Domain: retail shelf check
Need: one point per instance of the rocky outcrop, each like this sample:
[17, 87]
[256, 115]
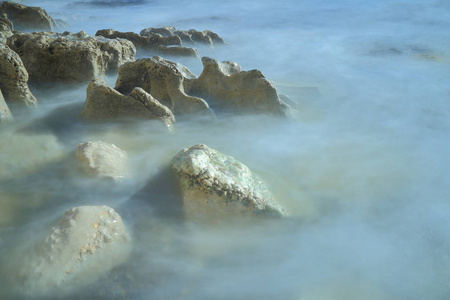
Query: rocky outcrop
[66, 57]
[162, 79]
[154, 44]
[191, 36]
[223, 86]
[103, 103]
[214, 184]
[27, 18]
[5, 113]
[87, 242]
[6, 28]
[102, 159]
[14, 79]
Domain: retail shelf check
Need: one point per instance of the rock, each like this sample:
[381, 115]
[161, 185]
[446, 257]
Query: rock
[162, 79]
[6, 28]
[66, 57]
[155, 44]
[191, 36]
[86, 243]
[5, 113]
[27, 18]
[14, 78]
[214, 184]
[103, 103]
[223, 86]
[103, 160]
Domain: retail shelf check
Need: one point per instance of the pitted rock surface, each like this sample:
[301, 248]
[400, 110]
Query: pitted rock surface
[14, 78]
[66, 57]
[103, 160]
[217, 184]
[103, 103]
[27, 18]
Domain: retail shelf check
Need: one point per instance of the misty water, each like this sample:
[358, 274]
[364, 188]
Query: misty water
[362, 168]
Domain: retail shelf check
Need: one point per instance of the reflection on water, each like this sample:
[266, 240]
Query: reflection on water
[361, 170]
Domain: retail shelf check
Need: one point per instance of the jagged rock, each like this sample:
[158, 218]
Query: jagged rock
[156, 44]
[66, 57]
[5, 113]
[102, 159]
[86, 243]
[214, 184]
[14, 78]
[191, 36]
[103, 102]
[162, 79]
[27, 17]
[223, 86]
[6, 28]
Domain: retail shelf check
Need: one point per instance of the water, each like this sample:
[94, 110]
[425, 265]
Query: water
[362, 170]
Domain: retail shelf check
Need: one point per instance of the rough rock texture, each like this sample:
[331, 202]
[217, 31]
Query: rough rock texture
[163, 79]
[191, 36]
[50, 57]
[6, 28]
[102, 159]
[215, 184]
[14, 78]
[103, 102]
[223, 86]
[5, 113]
[27, 17]
[155, 44]
[87, 242]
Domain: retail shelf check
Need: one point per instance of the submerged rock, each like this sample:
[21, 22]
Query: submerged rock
[86, 243]
[66, 57]
[14, 78]
[223, 86]
[214, 184]
[103, 102]
[27, 17]
[5, 113]
[191, 36]
[102, 159]
[163, 79]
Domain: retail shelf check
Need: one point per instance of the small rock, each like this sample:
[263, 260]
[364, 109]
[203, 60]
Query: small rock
[5, 113]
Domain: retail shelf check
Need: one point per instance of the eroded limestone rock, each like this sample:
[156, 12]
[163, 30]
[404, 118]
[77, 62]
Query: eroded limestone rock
[87, 242]
[5, 113]
[162, 79]
[155, 44]
[27, 17]
[14, 78]
[103, 102]
[102, 159]
[214, 184]
[191, 36]
[66, 57]
[6, 28]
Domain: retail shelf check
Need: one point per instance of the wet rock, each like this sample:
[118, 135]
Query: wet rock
[162, 79]
[102, 159]
[103, 103]
[27, 18]
[191, 36]
[5, 113]
[14, 78]
[67, 57]
[155, 44]
[87, 242]
[214, 184]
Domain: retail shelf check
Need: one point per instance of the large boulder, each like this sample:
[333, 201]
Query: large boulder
[162, 79]
[223, 86]
[105, 103]
[14, 78]
[5, 113]
[87, 242]
[66, 57]
[215, 185]
[27, 18]
[155, 44]
[102, 159]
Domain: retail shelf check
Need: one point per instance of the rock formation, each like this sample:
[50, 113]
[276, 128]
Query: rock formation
[66, 57]
[14, 78]
[5, 113]
[103, 102]
[6, 28]
[223, 86]
[103, 160]
[87, 242]
[214, 184]
[191, 36]
[162, 79]
[27, 18]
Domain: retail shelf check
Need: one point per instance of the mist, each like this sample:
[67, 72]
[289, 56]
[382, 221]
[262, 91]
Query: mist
[362, 169]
